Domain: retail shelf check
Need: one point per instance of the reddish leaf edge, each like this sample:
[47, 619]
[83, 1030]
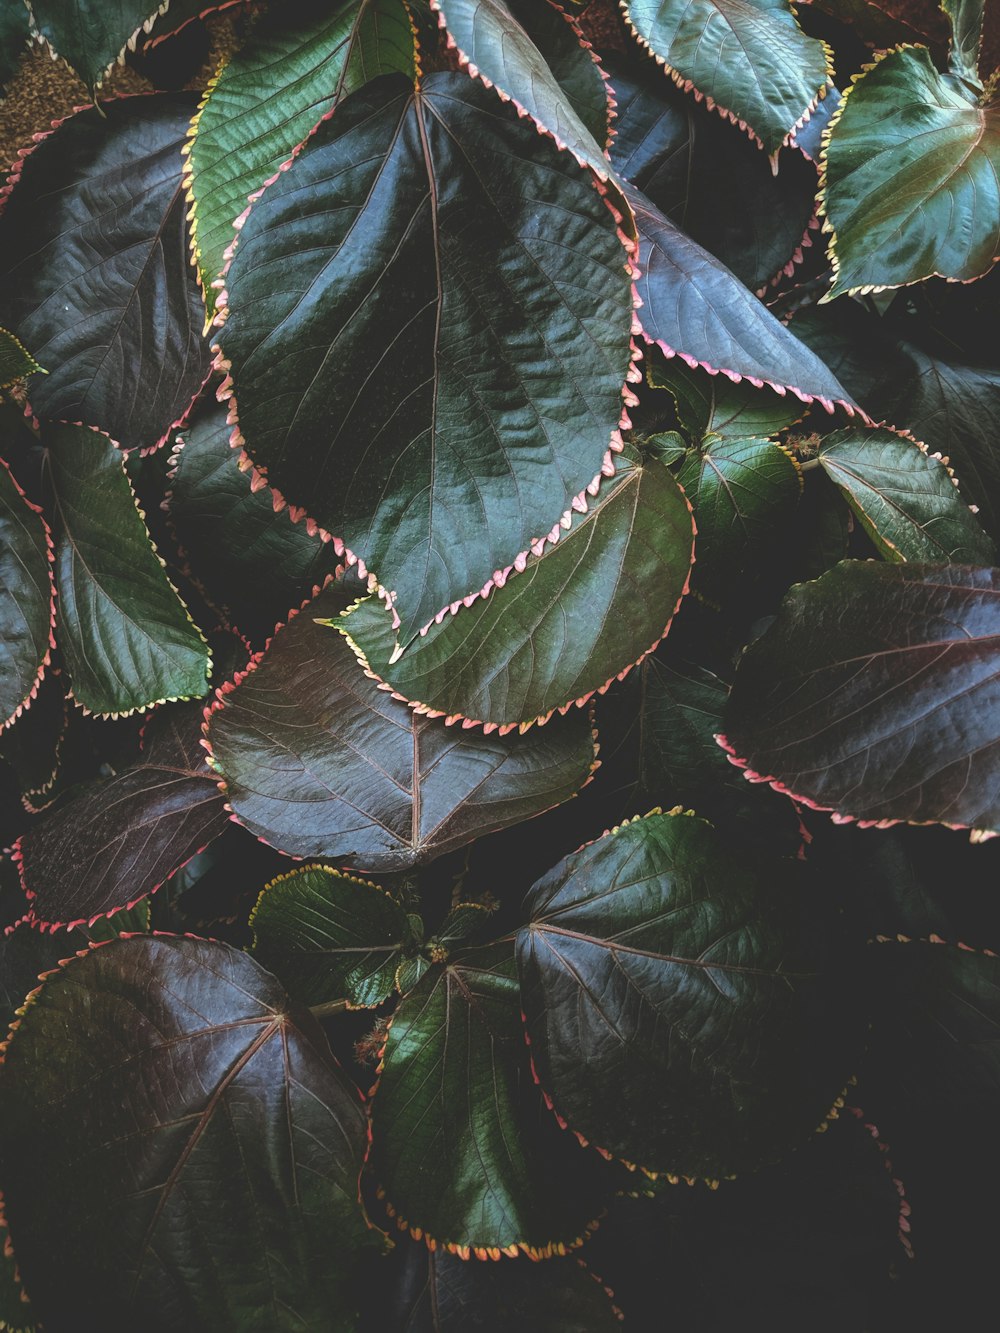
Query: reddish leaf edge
[37, 799]
[795, 259]
[903, 1225]
[8, 1250]
[46, 661]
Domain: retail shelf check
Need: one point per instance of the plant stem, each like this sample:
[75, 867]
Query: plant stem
[330, 1007]
[809, 463]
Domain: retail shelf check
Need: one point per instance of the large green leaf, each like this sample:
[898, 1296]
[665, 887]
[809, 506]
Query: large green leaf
[318, 761]
[876, 694]
[904, 497]
[681, 1012]
[461, 1144]
[126, 635]
[910, 153]
[580, 613]
[749, 59]
[330, 936]
[428, 335]
[159, 1090]
[27, 598]
[94, 270]
[16, 362]
[301, 58]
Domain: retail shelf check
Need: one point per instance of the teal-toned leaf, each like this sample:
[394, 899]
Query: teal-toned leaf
[437, 443]
[27, 598]
[713, 404]
[966, 18]
[554, 29]
[910, 152]
[301, 59]
[90, 35]
[747, 58]
[330, 936]
[905, 498]
[681, 1011]
[126, 636]
[16, 362]
[319, 762]
[579, 614]
[144, 1074]
[876, 694]
[461, 1144]
[14, 33]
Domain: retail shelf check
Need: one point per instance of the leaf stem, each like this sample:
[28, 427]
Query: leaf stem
[809, 463]
[330, 1007]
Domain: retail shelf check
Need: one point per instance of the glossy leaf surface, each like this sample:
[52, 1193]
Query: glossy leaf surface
[126, 635]
[581, 612]
[16, 362]
[300, 60]
[371, 388]
[143, 1073]
[966, 17]
[876, 694]
[714, 405]
[911, 152]
[658, 963]
[319, 761]
[27, 597]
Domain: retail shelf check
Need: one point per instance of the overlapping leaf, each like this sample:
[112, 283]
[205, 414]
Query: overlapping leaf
[748, 58]
[90, 34]
[113, 842]
[580, 613]
[33, 747]
[912, 178]
[300, 60]
[143, 1074]
[428, 334]
[876, 694]
[966, 17]
[16, 362]
[94, 270]
[27, 597]
[681, 1012]
[714, 405]
[318, 761]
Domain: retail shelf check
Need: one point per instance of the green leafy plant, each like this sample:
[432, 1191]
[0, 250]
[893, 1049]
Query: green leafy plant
[499, 499]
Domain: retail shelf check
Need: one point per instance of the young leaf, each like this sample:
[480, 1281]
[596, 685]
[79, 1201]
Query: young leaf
[874, 694]
[112, 843]
[749, 59]
[318, 761]
[681, 1014]
[330, 935]
[714, 405]
[454, 379]
[126, 635]
[966, 17]
[301, 59]
[16, 362]
[94, 270]
[580, 613]
[27, 598]
[144, 1074]
[461, 1144]
[910, 152]
[904, 497]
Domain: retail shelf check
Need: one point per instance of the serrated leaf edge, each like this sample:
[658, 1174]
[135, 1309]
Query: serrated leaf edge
[8, 1250]
[43, 666]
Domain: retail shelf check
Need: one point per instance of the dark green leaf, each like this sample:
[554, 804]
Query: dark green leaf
[27, 598]
[579, 614]
[90, 35]
[318, 761]
[966, 18]
[145, 1073]
[910, 152]
[116, 841]
[876, 694]
[94, 270]
[905, 498]
[462, 1146]
[33, 747]
[749, 59]
[126, 635]
[301, 59]
[330, 936]
[713, 404]
[554, 29]
[16, 362]
[14, 32]
[681, 1014]
[467, 288]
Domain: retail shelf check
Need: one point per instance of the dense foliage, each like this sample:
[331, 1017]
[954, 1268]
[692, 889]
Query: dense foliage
[460, 413]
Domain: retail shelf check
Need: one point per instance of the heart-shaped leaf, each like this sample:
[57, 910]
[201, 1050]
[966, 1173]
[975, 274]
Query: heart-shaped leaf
[331, 935]
[580, 613]
[904, 497]
[300, 60]
[681, 1013]
[94, 270]
[318, 761]
[379, 405]
[461, 1143]
[142, 1073]
[126, 635]
[27, 598]
[875, 695]
[749, 59]
[252, 562]
[911, 150]
[16, 362]
[714, 405]
[112, 843]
